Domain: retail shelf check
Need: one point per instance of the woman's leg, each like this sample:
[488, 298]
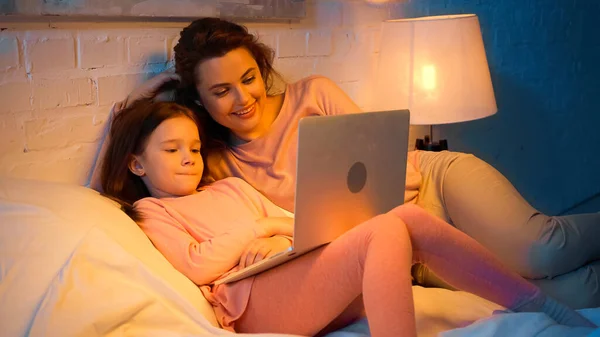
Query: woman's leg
[561, 287]
[309, 293]
[465, 264]
[481, 202]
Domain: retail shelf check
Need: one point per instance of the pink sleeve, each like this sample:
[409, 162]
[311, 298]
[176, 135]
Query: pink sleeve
[265, 206]
[202, 262]
[268, 210]
[332, 99]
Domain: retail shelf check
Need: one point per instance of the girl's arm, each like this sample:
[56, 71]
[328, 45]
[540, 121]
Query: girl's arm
[202, 262]
[277, 220]
[280, 225]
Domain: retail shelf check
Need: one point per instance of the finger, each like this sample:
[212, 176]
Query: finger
[168, 76]
[250, 257]
[243, 257]
[174, 77]
[172, 74]
[245, 253]
[118, 107]
[257, 252]
[262, 253]
[271, 253]
[159, 80]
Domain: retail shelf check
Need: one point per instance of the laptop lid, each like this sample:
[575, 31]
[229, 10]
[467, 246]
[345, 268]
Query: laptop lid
[349, 169]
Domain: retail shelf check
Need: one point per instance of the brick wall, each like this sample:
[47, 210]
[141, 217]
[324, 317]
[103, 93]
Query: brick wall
[57, 85]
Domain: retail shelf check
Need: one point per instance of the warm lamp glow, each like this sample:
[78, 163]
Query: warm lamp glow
[428, 77]
[436, 67]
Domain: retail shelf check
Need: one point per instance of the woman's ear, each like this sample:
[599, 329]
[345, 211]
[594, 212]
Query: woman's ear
[136, 167]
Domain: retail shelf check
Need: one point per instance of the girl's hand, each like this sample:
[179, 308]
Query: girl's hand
[263, 248]
[277, 226]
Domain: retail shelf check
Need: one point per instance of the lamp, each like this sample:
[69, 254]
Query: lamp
[436, 67]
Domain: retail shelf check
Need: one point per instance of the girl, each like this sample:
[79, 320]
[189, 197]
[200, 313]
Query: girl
[225, 76]
[153, 165]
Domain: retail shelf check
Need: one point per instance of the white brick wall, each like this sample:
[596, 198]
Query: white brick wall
[9, 53]
[147, 49]
[50, 54]
[319, 43]
[58, 131]
[114, 88]
[51, 93]
[93, 47]
[57, 85]
[292, 44]
[15, 97]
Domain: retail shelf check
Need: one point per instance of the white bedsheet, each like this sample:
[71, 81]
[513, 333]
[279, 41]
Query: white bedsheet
[526, 325]
[72, 264]
[502, 325]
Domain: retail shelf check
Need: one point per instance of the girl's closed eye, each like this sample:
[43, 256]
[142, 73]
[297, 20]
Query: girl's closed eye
[249, 80]
[171, 150]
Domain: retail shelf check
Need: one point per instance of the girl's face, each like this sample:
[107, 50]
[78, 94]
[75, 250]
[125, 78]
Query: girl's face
[171, 165]
[233, 92]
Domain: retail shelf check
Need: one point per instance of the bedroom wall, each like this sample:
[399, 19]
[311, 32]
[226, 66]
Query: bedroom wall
[544, 61]
[59, 80]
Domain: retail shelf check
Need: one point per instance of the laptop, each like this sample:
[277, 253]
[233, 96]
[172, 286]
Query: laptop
[350, 168]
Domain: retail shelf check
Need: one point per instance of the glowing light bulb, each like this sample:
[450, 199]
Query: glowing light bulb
[428, 77]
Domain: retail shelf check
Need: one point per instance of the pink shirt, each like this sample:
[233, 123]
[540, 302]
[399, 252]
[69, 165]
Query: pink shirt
[268, 163]
[203, 236]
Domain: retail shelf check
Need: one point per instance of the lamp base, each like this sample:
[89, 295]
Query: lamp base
[427, 145]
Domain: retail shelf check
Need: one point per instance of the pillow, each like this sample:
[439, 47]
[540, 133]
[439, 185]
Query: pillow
[72, 262]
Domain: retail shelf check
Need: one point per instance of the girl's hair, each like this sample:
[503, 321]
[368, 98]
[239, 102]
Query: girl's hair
[129, 133]
[208, 38]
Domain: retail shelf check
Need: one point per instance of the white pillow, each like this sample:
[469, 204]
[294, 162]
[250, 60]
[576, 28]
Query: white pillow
[67, 253]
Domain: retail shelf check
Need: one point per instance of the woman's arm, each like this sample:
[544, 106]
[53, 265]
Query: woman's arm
[95, 181]
[147, 90]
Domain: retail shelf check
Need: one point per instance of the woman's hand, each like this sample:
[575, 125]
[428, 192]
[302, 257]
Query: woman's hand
[148, 89]
[263, 248]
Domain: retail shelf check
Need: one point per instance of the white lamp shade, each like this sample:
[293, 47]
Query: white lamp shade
[436, 67]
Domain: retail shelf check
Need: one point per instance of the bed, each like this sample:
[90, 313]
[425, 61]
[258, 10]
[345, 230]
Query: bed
[73, 264]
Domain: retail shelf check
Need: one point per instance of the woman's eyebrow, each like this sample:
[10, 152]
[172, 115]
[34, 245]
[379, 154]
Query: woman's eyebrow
[226, 84]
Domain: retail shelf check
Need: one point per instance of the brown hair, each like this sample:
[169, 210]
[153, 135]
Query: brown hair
[208, 38]
[129, 133]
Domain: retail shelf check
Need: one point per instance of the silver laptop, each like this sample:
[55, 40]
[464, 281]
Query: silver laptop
[350, 168]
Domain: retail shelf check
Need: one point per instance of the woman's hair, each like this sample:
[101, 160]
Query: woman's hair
[129, 133]
[208, 38]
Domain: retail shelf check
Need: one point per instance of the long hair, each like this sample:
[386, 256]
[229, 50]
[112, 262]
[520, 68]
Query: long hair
[208, 38]
[129, 133]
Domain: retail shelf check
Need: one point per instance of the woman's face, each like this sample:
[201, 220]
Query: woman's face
[233, 92]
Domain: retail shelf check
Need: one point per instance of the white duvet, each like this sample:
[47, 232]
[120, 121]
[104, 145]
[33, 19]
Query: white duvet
[72, 264]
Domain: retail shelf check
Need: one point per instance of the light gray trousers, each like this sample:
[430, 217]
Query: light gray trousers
[560, 254]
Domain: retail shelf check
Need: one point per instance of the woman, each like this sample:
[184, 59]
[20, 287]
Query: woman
[225, 76]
